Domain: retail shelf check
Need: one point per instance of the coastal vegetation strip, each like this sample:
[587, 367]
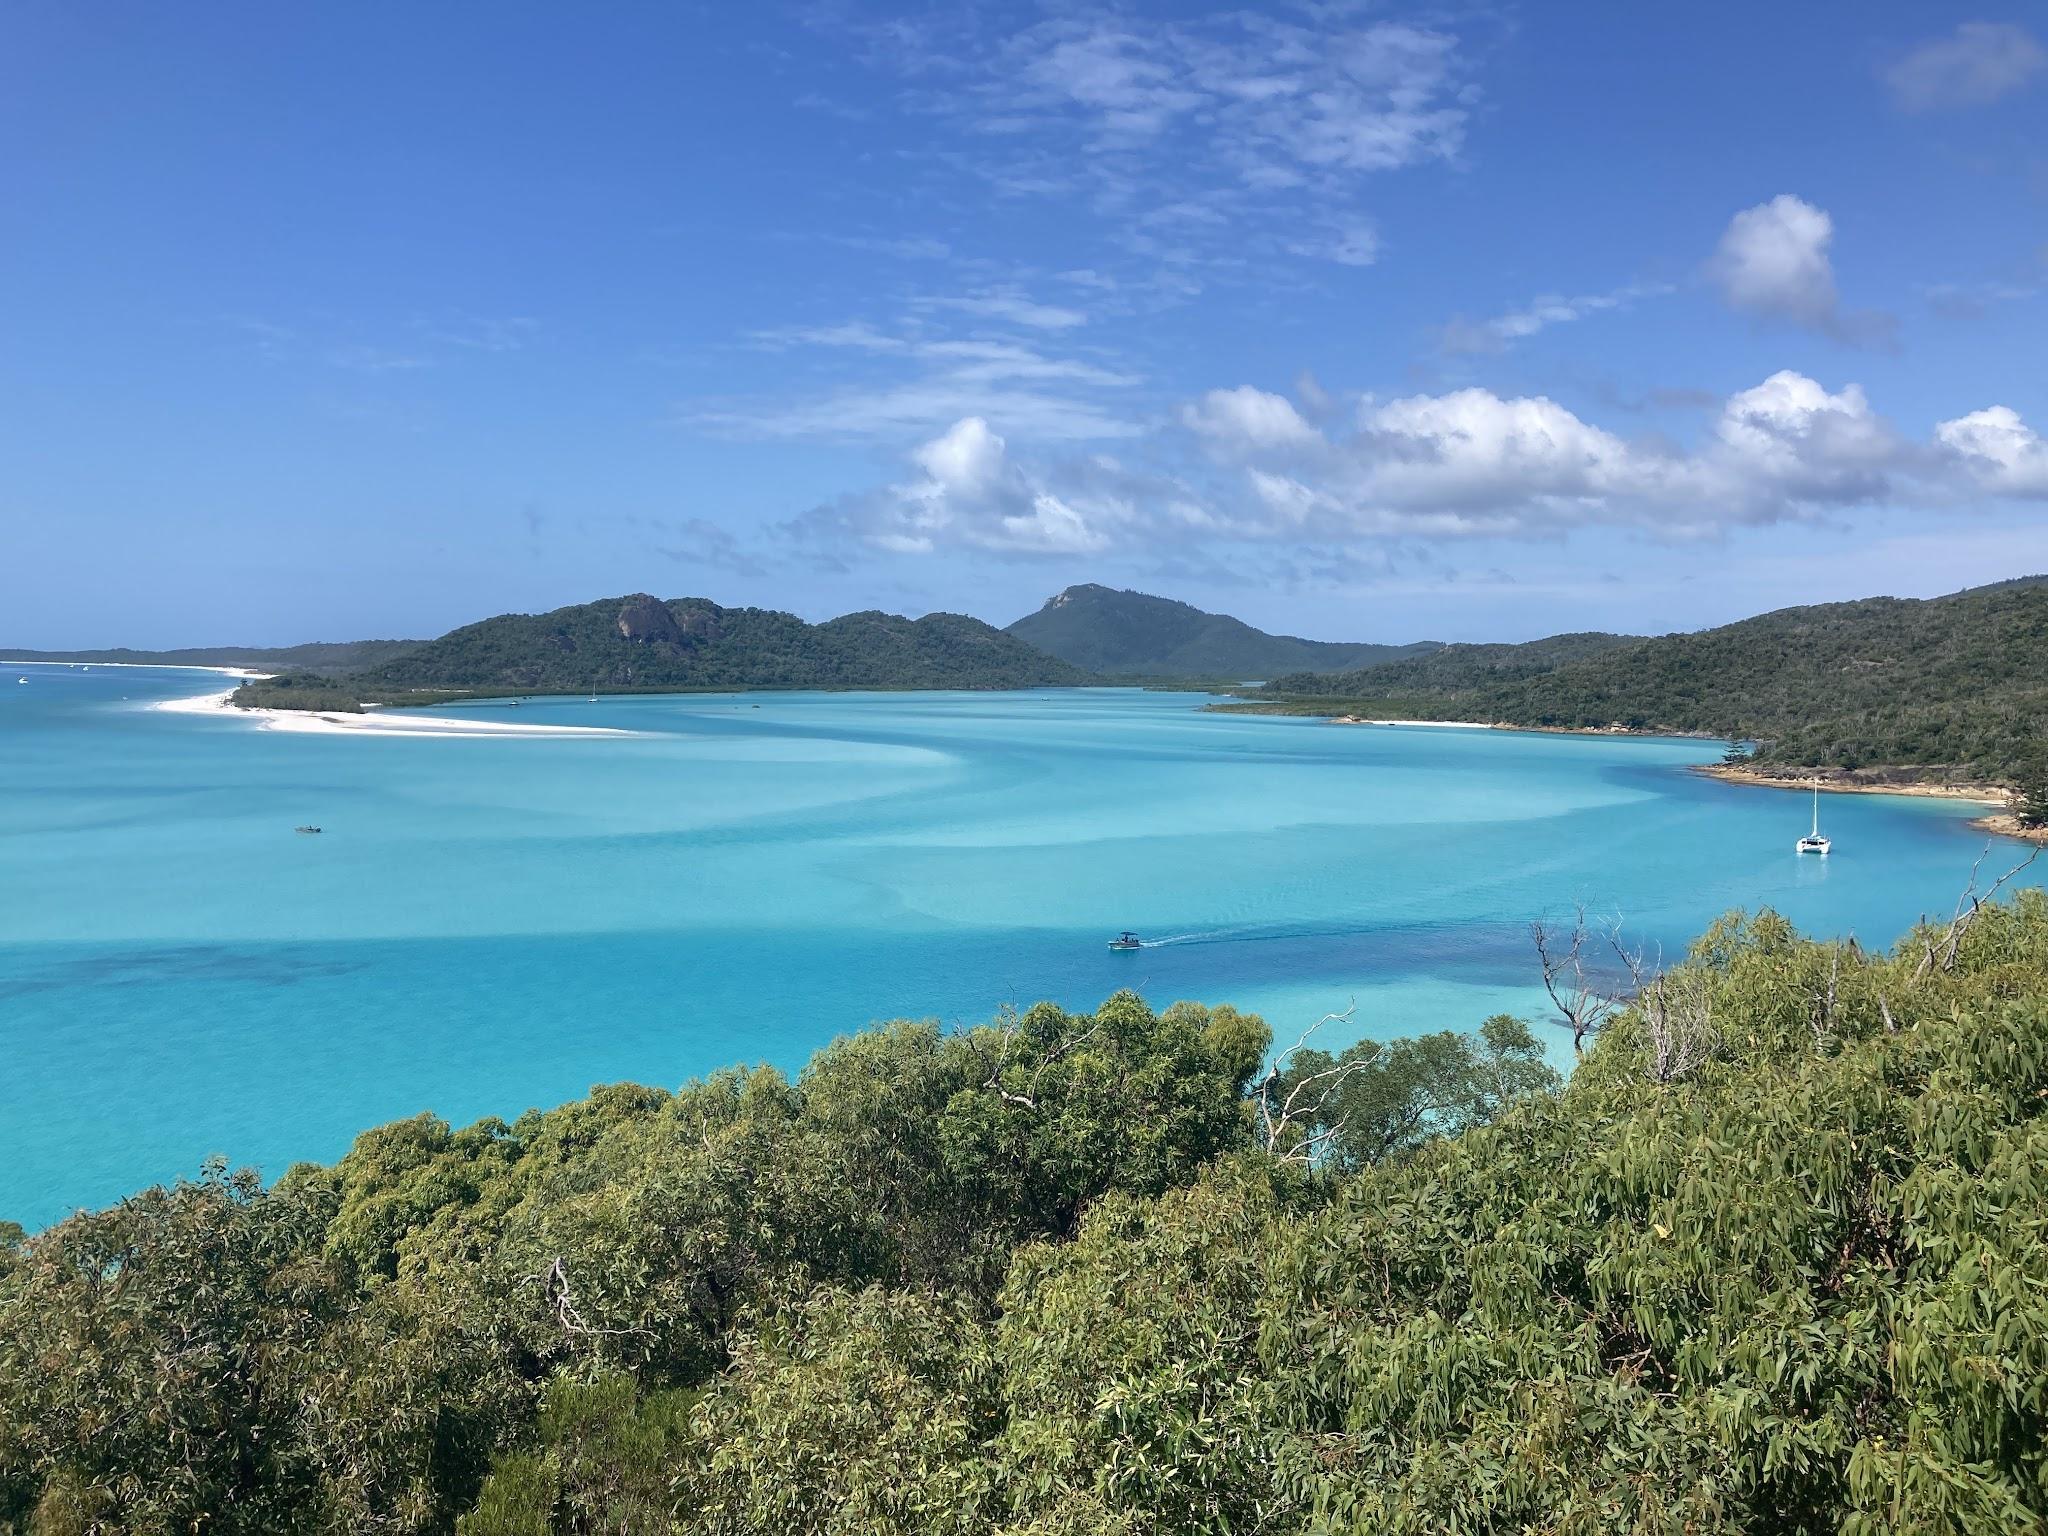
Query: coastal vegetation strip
[1769, 1261]
[1949, 690]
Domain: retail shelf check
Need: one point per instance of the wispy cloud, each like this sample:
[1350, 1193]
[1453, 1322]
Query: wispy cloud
[1969, 301]
[903, 248]
[409, 346]
[1977, 63]
[998, 353]
[1504, 330]
[1011, 305]
[361, 359]
[1206, 139]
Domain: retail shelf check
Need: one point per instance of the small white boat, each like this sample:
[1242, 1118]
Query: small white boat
[1813, 842]
[21, 679]
[1124, 940]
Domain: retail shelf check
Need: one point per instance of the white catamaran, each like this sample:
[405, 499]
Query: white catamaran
[1813, 842]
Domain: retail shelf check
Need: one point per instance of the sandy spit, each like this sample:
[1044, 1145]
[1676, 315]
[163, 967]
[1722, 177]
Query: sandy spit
[372, 722]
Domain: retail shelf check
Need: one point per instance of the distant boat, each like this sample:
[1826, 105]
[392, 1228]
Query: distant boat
[1127, 940]
[305, 829]
[1813, 842]
[21, 679]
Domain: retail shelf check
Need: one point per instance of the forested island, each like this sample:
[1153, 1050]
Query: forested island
[1771, 1261]
[640, 643]
[1884, 691]
[1124, 634]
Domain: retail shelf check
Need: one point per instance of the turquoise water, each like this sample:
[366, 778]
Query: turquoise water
[491, 924]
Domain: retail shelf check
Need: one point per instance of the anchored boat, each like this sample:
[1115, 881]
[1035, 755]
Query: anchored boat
[1813, 842]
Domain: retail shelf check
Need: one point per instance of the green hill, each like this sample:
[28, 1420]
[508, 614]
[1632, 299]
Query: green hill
[1452, 668]
[1772, 1261]
[1131, 634]
[320, 658]
[642, 642]
[1948, 686]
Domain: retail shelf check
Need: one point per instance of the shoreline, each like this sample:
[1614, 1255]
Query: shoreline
[1609, 731]
[141, 666]
[1734, 773]
[373, 721]
[1997, 819]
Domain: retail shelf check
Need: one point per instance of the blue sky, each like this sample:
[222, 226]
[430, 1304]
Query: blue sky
[1359, 321]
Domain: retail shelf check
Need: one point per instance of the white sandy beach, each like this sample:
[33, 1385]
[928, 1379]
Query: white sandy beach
[1447, 725]
[140, 666]
[372, 722]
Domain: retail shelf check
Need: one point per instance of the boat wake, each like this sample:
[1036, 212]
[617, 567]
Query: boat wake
[1212, 936]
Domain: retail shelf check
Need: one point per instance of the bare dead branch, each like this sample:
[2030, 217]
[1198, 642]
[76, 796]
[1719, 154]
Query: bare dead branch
[1940, 953]
[1286, 1129]
[554, 1284]
[1678, 1025]
[1581, 1004]
[1822, 1018]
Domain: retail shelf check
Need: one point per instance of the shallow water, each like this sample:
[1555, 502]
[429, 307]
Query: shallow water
[491, 924]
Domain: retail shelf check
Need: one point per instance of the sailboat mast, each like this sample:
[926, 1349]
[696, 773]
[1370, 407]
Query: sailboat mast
[1816, 810]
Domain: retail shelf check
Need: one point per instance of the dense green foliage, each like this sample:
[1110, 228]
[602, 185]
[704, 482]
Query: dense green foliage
[322, 658]
[1386, 1098]
[643, 642]
[297, 690]
[1774, 1260]
[1131, 634]
[1950, 685]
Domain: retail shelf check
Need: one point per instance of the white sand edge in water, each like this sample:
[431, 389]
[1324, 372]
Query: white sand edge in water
[372, 722]
[141, 666]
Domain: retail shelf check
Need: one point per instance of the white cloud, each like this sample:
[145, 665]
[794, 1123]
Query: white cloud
[1246, 417]
[1436, 468]
[1788, 444]
[970, 492]
[1471, 448]
[1999, 450]
[1773, 260]
[1977, 63]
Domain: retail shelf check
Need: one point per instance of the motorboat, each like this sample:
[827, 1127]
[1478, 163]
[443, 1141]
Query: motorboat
[1813, 842]
[1127, 940]
[305, 829]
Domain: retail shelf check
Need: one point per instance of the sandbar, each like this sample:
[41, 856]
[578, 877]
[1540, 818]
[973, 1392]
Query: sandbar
[373, 721]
